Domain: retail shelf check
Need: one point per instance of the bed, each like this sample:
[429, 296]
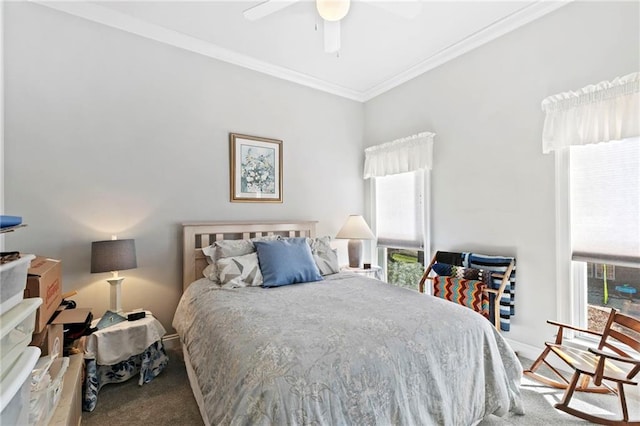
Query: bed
[344, 350]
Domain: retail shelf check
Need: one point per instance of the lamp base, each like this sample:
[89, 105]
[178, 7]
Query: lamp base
[354, 248]
[114, 299]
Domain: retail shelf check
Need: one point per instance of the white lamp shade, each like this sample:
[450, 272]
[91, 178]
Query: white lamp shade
[356, 228]
[333, 10]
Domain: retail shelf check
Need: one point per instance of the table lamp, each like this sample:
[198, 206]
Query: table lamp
[356, 230]
[113, 256]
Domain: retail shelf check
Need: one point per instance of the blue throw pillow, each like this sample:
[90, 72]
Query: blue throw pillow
[286, 261]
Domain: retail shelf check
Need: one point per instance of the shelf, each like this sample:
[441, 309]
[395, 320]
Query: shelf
[11, 228]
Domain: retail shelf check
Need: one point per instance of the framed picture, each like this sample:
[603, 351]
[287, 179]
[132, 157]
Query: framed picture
[256, 169]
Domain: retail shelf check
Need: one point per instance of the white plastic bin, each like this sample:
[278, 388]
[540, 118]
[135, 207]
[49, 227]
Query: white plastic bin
[15, 389]
[46, 390]
[13, 280]
[16, 330]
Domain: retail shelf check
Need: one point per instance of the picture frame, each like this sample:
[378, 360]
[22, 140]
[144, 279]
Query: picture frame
[255, 169]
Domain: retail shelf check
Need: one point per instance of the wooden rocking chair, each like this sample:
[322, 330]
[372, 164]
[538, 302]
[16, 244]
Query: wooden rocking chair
[608, 363]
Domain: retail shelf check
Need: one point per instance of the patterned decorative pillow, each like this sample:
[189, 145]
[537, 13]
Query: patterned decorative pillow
[239, 271]
[211, 271]
[325, 257]
[228, 248]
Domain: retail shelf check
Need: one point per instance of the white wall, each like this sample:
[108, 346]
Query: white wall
[2, 120]
[492, 188]
[107, 132]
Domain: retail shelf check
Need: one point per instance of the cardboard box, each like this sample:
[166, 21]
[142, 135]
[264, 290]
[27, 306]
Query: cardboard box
[50, 340]
[72, 316]
[69, 410]
[44, 280]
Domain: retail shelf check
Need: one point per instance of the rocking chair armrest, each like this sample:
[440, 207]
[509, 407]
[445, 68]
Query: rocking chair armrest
[614, 357]
[572, 327]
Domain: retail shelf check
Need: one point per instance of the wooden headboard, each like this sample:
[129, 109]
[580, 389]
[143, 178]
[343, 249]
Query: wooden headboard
[201, 234]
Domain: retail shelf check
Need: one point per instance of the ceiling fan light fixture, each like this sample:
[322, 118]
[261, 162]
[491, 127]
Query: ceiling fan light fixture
[333, 10]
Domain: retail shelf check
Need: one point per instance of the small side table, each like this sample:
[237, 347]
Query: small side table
[121, 351]
[373, 272]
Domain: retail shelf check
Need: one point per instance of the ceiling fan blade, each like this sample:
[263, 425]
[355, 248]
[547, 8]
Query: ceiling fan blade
[408, 9]
[331, 36]
[266, 8]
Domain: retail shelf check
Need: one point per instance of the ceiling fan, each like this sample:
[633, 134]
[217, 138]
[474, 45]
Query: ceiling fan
[332, 12]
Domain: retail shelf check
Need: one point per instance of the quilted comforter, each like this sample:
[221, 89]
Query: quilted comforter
[348, 350]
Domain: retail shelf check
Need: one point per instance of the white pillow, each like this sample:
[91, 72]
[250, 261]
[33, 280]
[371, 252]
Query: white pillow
[325, 257]
[240, 271]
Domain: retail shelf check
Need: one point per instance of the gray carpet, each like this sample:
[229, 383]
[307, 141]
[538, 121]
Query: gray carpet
[168, 400]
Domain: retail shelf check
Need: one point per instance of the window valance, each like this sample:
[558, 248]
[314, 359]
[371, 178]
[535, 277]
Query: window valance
[597, 113]
[399, 156]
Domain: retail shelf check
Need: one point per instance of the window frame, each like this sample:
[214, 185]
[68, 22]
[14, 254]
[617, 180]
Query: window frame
[379, 253]
[571, 275]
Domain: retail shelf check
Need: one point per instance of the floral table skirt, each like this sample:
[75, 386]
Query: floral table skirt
[148, 364]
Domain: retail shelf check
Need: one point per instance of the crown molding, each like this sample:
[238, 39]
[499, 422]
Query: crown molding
[124, 22]
[109, 17]
[485, 35]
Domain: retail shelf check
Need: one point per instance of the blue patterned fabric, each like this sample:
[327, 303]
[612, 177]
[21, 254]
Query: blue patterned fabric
[497, 264]
[148, 365]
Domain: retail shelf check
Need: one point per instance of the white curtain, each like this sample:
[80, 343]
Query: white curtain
[399, 156]
[597, 113]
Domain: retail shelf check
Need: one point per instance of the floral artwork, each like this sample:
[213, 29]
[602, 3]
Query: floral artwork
[256, 169]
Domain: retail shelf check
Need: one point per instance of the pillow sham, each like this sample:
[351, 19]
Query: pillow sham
[325, 257]
[211, 271]
[229, 248]
[239, 271]
[286, 261]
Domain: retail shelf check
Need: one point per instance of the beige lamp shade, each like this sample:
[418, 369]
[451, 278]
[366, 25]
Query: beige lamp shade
[356, 230]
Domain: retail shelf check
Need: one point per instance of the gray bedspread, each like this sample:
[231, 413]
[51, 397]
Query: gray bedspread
[345, 351]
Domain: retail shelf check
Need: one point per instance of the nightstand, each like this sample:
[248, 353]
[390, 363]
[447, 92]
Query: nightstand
[121, 351]
[373, 272]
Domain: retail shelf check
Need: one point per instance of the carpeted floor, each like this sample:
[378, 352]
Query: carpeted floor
[168, 400]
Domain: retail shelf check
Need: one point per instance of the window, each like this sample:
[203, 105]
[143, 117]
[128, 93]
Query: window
[399, 212]
[604, 205]
[400, 182]
[595, 135]
[404, 267]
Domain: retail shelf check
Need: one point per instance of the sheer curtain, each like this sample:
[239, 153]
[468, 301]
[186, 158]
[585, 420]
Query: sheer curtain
[399, 156]
[602, 112]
